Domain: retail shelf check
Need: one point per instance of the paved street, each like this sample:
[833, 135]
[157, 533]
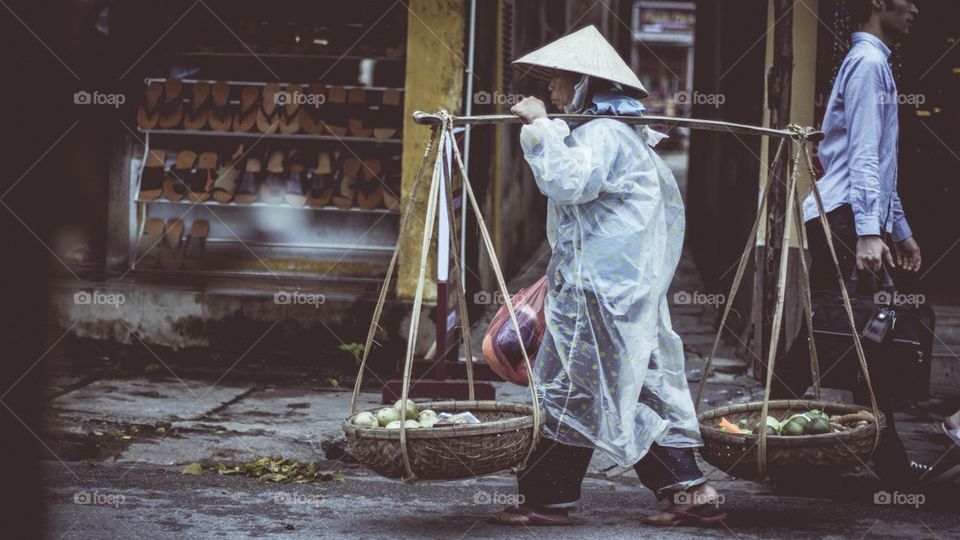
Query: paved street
[120, 439]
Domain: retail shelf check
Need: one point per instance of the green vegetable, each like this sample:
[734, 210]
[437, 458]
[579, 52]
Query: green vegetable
[793, 428]
[818, 426]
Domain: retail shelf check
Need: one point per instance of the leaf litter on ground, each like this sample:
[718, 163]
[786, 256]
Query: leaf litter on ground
[278, 469]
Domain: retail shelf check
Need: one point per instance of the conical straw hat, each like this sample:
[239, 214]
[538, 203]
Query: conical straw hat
[584, 51]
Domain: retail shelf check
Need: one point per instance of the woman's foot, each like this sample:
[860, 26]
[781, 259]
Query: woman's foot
[527, 515]
[699, 505]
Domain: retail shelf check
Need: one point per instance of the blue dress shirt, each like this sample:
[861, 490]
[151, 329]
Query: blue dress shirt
[859, 151]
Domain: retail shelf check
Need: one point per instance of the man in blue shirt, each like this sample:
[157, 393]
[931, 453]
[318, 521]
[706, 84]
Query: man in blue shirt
[859, 190]
[859, 152]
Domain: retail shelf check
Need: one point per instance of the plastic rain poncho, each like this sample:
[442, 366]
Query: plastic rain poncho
[610, 372]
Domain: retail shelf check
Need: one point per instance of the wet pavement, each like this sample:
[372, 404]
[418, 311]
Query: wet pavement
[119, 439]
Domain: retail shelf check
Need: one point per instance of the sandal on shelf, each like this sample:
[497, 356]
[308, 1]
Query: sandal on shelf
[246, 117]
[174, 185]
[344, 191]
[289, 112]
[273, 188]
[220, 118]
[698, 514]
[151, 244]
[322, 179]
[524, 516]
[360, 113]
[370, 190]
[171, 257]
[390, 115]
[336, 116]
[198, 113]
[247, 192]
[148, 115]
[151, 179]
[201, 178]
[227, 178]
[196, 246]
[391, 185]
[296, 188]
[171, 106]
[311, 118]
[268, 115]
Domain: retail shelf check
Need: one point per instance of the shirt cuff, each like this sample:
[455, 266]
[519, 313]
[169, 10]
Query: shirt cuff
[901, 230]
[867, 224]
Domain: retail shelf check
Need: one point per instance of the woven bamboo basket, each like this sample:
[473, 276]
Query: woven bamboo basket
[498, 444]
[830, 453]
[507, 433]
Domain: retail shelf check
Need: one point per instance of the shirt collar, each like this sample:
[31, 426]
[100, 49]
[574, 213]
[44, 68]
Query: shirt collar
[871, 39]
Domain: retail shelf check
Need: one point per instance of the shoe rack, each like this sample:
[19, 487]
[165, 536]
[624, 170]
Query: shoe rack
[292, 193]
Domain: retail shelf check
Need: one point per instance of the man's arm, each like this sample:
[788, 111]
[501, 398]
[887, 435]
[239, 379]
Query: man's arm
[863, 95]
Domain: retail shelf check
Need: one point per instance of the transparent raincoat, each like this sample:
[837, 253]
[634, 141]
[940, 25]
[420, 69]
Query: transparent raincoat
[610, 372]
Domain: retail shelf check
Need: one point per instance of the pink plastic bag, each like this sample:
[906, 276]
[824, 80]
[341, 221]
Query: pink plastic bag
[501, 345]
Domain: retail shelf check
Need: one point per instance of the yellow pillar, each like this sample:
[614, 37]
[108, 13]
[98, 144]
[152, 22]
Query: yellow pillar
[434, 80]
[803, 87]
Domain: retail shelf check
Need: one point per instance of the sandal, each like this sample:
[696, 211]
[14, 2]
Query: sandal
[370, 192]
[174, 185]
[149, 113]
[220, 118]
[246, 117]
[296, 181]
[198, 113]
[249, 182]
[193, 251]
[289, 112]
[357, 97]
[227, 178]
[171, 256]
[151, 244]
[171, 107]
[322, 179]
[200, 181]
[268, 115]
[336, 122]
[344, 192]
[311, 120]
[699, 514]
[273, 189]
[151, 180]
[516, 515]
[390, 116]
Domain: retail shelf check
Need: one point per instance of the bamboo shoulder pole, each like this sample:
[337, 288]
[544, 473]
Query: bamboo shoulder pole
[809, 134]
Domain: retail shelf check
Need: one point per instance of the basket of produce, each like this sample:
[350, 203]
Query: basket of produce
[790, 438]
[801, 437]
[446, 440]
[441, 440]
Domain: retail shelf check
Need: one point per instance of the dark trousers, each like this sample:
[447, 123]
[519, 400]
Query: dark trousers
[555, 472]
[792, 374]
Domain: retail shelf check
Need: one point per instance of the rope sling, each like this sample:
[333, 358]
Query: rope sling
[442, 124]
